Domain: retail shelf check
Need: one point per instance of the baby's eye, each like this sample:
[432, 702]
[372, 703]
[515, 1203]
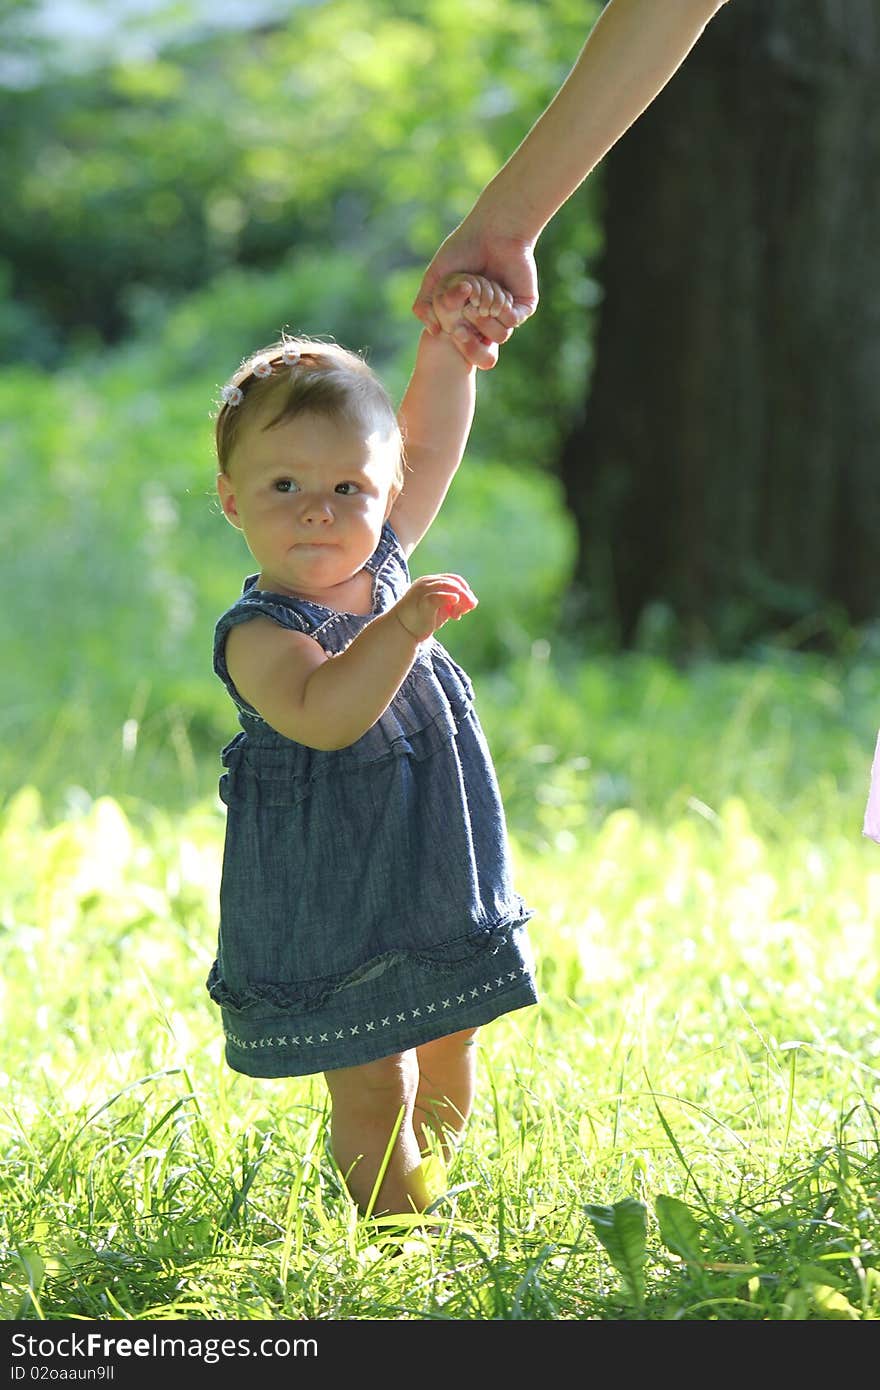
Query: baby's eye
[347, 489]
[283, 485]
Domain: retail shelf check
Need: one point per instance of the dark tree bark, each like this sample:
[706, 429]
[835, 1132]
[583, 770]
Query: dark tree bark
[727, 465]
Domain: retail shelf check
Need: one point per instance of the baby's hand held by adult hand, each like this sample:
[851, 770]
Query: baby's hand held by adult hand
[471, 310]
[431, 601]
[474, 297]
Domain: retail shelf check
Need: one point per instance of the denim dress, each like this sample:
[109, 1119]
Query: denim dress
[366, 902]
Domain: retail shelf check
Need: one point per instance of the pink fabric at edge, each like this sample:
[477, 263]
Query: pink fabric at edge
[871, 826]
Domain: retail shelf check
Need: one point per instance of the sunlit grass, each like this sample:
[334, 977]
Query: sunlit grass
[705, 929]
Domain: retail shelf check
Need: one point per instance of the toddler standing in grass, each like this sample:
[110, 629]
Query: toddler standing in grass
[369, 924]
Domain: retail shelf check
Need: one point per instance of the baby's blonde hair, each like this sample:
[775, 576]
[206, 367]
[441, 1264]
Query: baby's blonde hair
[305, 376]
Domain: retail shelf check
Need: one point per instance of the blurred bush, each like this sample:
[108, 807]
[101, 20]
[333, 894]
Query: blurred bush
[364, 127]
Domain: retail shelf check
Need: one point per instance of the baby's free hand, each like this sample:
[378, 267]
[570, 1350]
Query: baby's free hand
[467, 308]
[431, 600]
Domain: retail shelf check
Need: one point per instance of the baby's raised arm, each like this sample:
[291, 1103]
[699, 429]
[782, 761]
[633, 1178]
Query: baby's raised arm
[437, 409]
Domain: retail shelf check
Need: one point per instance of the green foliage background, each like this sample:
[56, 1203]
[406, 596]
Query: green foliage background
[364, 127]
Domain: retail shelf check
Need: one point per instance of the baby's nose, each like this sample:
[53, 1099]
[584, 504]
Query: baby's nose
[316, 510]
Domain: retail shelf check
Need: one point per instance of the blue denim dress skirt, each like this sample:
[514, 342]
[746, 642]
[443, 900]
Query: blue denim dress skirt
[366, 902]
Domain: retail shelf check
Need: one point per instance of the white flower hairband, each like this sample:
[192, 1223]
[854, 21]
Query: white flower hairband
[232, 395]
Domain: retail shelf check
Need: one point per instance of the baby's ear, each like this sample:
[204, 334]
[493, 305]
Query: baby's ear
[393, 495]
[226, 494]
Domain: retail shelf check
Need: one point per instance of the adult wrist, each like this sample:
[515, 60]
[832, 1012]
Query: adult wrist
[498, 217]
[502, 213]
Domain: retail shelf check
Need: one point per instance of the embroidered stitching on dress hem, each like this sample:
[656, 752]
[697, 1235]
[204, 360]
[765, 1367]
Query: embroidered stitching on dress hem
[370, 1025]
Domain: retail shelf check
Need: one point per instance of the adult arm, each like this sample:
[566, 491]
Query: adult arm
[632, 51]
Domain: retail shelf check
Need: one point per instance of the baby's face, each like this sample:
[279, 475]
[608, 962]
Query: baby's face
[310, 495]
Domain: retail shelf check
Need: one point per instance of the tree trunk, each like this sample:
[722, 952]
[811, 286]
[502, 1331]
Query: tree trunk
[726, 469]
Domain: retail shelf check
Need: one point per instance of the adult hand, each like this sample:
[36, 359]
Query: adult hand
[505, 259]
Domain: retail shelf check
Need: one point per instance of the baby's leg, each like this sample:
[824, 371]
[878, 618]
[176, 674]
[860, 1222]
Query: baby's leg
[447, 1077]
[366, 1105]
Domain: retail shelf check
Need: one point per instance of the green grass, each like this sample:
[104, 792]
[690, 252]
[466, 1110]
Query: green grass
[684, 1128]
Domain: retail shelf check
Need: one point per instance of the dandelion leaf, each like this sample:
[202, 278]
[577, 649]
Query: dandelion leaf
[678, 1229]
[621, 1228]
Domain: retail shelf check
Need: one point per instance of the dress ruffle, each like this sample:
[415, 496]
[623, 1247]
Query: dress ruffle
[314, 994]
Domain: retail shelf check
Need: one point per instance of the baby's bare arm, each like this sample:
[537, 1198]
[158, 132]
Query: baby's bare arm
[435, 418]
[328, 702]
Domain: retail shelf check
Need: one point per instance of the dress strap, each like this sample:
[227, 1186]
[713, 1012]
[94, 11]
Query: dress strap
[391, 577]
[253, 603]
